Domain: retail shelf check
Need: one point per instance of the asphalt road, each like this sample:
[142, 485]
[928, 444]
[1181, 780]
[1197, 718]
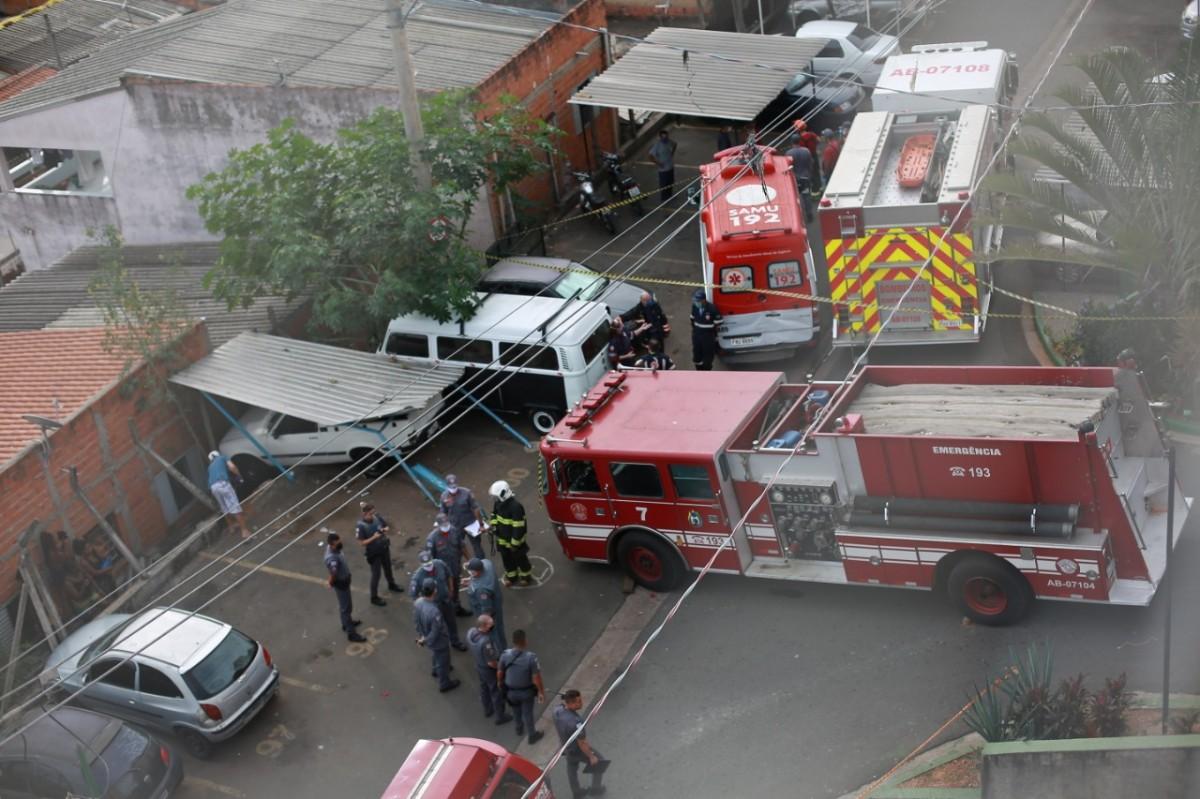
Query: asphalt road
[763, 689]
[756, 688]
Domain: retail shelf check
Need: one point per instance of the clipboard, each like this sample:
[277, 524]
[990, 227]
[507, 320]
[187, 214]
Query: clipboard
[473, 529]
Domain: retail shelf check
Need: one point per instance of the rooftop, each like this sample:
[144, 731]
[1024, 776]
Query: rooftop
[79, 27]
[15, 84]
[50, 373]
[690, 414]
[329, 43]
[58, 297]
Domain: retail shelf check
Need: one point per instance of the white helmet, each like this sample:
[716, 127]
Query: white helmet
[500, 490]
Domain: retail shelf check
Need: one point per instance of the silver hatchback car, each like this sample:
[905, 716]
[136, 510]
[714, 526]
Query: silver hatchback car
[194, 677]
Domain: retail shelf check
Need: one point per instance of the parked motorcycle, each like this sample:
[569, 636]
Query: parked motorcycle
[590, 201]
[621, 184]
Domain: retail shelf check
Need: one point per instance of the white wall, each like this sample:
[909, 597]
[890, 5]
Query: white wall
[156, 140]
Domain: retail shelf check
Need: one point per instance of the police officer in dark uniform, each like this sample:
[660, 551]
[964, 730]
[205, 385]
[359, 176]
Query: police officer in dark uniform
[482, 642]
[432, 634]
[705, 318]
[508, 525]
[483, 592]
[521, 675]
[371, 532]
[655, 359]
[446, 544]
[339, 581]
[566, 721]
[433, 569]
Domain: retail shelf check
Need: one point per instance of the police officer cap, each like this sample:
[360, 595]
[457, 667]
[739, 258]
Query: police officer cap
[441, 517]
[428, 588]
[698, 294]
[475, 565]
[425, 557]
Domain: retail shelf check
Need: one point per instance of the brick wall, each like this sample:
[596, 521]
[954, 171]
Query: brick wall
[114, 473]
[660, 8]
[543, 77]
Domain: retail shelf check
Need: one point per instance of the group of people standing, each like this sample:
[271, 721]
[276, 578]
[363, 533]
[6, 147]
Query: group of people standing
[813, 159]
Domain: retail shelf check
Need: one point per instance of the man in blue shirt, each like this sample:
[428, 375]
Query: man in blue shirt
[432, 634]
[219, 469]
[339, 581]
[566, 721]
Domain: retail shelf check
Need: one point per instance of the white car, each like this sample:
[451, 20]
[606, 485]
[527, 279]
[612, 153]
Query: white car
[290, 439]
[852, 51]
[1187, 24]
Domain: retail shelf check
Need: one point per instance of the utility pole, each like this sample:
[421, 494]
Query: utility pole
[410, 104]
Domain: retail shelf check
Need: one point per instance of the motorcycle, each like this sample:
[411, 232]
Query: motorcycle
[621, 184]
[590, 201]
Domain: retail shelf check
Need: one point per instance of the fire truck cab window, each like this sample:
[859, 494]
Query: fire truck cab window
[736, 278]
[691, 482]
[784, 275]
[577, 477]
[636, 479]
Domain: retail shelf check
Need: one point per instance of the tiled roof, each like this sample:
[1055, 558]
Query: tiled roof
[50, 373]
[15, 84]
[330, 43]
[79, 27]
[58, 297]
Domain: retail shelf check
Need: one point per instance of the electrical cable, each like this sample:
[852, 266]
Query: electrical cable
[532, 353]
[820, 419]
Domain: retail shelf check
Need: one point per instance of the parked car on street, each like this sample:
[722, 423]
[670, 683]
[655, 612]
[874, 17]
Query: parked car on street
[825, 104]
[851, 51]
[74, 752]
[882, 12]
[290, 439]
[194, 677]
[1187, 23]
[535, 275]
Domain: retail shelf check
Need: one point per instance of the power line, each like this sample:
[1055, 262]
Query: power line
[820, 419]
[656, 248]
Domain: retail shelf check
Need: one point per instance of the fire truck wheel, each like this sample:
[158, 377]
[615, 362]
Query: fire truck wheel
[652, 562]
[989, 591]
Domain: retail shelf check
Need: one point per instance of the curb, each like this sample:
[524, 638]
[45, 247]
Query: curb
[951, 750]
[597, 667]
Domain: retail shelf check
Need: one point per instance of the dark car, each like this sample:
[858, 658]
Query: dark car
[74, 752]
[824, 103]
[531, 275]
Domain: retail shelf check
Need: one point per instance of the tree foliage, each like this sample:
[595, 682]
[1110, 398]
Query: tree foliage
[345, 222]
[1129, 158]
[142, 324]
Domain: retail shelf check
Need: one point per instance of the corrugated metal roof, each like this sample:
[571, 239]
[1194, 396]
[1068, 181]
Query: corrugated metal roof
[50, 373]
[58, 297]
[80, 26]
[317, 382]
[333, 43]
[726, 75]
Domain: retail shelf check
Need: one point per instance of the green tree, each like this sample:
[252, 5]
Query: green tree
[1132, 198]
[345, 223]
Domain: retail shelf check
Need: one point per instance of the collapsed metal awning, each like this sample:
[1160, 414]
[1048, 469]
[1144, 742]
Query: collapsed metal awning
[701, 73]
[315, 382]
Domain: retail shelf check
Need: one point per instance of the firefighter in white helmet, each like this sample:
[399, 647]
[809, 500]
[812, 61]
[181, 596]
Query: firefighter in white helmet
[508, 526]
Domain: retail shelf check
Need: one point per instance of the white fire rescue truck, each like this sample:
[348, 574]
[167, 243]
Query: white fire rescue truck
[753, 238]
[903, 193]
[994, 484]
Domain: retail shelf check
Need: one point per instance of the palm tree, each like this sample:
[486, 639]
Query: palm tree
[1118, 178]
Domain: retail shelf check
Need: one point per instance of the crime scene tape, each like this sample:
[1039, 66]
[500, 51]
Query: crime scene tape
[1061, 313]
[609, 206]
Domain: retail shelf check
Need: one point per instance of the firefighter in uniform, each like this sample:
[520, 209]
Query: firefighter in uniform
[508, 525]
[705, 318]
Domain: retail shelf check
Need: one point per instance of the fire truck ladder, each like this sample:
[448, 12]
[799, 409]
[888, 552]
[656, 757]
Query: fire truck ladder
[851, 261]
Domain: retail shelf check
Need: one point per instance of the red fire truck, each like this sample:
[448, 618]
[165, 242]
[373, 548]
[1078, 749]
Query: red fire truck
[465, 768]
[753, 238]
[994, 484]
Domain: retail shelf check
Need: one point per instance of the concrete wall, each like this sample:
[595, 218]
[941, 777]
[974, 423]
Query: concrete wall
[115, 474]
[1163, 767]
